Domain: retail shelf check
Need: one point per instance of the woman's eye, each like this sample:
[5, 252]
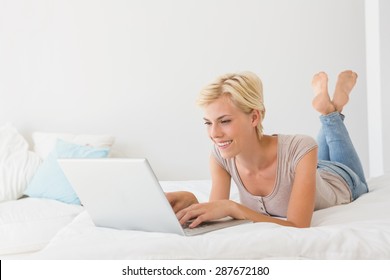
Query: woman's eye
[225, 121]
[207, 123]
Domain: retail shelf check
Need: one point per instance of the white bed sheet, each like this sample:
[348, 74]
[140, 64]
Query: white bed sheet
[360, 230]
[27, 225]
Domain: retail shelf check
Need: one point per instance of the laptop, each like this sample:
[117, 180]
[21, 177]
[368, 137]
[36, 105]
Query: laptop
[124, 193]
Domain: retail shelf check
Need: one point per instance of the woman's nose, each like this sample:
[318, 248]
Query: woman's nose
[215, 131]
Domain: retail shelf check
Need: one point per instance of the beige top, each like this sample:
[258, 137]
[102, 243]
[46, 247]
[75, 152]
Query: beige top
[331, 189]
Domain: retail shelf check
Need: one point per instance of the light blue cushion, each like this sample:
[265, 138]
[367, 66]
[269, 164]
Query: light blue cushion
[50, 181]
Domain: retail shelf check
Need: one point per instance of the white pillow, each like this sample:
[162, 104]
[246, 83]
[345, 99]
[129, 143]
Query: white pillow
[17, 164]
[45, 142]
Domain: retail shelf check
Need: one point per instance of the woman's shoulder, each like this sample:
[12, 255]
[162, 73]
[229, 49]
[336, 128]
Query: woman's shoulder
[226, 164]
[296, 143]
[293, 147]
[296, 138]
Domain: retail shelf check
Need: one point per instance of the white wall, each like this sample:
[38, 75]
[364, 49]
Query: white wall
[374, 92]
[133, 69]
[378, 84]
[384, 21]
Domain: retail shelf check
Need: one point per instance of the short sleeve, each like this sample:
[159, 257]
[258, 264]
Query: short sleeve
[299, 147]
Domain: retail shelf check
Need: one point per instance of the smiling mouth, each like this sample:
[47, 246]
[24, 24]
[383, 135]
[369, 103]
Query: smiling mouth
[224, 144]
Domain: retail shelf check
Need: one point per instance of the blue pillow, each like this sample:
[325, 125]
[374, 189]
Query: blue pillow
[50, 181]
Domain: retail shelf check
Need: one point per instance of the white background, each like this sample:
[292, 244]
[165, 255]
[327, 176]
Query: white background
[133, 69]
[278, 269]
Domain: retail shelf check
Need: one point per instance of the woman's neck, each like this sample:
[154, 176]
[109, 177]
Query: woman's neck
[260, 154]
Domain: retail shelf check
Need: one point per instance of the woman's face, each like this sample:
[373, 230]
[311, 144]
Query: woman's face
[229, 127]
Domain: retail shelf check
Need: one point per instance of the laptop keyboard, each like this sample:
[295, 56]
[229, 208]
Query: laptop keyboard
[211, 226]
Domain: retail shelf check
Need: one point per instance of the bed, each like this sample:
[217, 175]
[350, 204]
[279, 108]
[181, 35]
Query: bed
[44, 228]
[360, 230]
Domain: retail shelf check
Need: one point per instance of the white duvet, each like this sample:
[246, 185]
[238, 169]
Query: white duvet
[27, 225]
[360, 230]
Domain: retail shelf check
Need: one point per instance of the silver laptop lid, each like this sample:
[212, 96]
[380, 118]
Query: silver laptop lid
[121, 193]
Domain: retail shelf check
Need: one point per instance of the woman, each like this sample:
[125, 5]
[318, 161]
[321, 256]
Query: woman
[281, 179]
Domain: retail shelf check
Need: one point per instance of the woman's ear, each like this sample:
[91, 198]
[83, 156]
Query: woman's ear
[256, 117]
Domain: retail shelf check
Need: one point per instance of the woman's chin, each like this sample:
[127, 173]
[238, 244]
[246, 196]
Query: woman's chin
[227, 155]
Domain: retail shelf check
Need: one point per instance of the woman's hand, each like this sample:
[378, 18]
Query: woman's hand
[218, 209]
[180, 200]
[202, 212]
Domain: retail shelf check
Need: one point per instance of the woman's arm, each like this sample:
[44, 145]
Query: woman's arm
[300, 208]
[181, 200]
[302, 199]
[220, 178]
[220, 189]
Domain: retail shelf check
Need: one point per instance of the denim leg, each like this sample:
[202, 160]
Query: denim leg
[341, 149]
[323, 149]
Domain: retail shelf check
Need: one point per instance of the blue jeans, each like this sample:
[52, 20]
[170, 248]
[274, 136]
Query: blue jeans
[337, 154]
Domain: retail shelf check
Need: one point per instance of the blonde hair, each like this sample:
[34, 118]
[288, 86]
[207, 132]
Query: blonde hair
[244, 89]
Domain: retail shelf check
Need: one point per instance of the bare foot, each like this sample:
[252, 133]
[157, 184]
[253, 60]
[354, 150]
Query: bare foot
[321, 101]
[345, 83]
